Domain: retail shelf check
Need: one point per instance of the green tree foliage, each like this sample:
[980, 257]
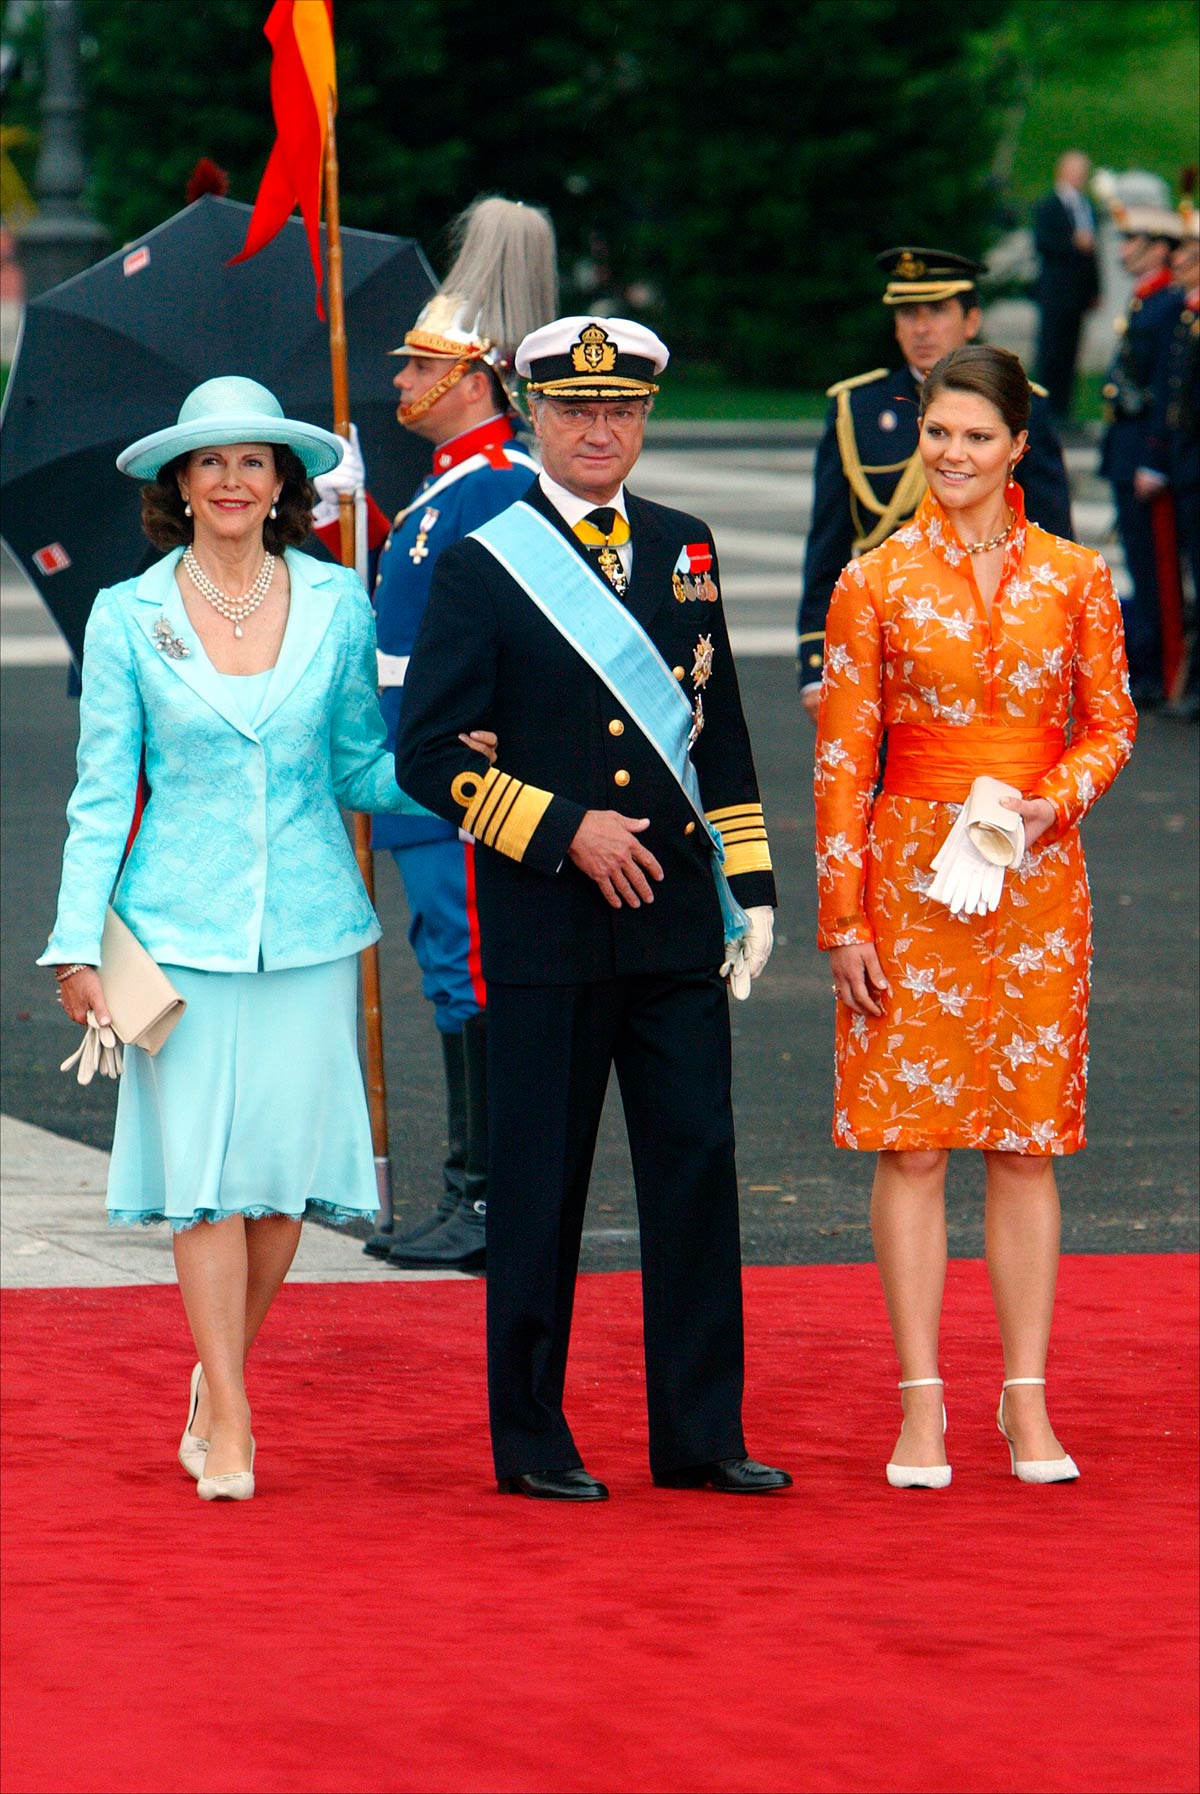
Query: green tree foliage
[726, 169]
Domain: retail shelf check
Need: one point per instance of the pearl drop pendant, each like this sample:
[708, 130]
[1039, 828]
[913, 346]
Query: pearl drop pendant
[237, 630]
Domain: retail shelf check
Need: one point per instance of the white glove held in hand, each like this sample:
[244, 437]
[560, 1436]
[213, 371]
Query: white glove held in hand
[967, 881]
[98, 1051]
[745, 959]
[349, 476]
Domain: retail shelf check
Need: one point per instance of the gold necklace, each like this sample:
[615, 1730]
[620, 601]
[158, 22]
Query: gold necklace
[992, 541]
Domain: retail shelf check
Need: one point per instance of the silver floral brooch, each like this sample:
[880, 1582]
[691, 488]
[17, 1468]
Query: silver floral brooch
[168, 643]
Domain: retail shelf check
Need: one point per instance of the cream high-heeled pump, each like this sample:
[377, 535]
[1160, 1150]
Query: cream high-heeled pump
[1033, 1470]
[231, 1485]
[192, 1448]
[921, 1476]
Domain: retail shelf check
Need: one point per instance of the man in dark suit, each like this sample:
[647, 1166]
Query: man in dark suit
[585, 626]
[1068, 285]
[868, 478]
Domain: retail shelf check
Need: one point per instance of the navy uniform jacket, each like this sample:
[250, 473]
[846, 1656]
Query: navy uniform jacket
[1173, 433]
[486, 656]
[474, 477]
[883, 410]
[1133, 375]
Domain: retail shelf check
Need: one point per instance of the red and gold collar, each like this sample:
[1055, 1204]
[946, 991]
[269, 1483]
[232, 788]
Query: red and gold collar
[1153, 283]
[485, 439]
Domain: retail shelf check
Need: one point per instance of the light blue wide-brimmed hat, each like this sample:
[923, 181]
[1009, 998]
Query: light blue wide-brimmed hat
[226, 410]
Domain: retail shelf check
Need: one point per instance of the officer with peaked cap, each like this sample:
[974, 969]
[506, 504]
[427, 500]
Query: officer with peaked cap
[868, 478]
[585, 626]
[458, 391]
[1149, 234]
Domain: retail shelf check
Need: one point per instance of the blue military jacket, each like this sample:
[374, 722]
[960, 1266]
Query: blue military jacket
[1134, 373]
[242, 861]
[879, 431]
[474, 478]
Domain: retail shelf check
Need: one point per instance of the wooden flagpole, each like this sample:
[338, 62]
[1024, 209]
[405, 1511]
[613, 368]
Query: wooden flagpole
[369, 958]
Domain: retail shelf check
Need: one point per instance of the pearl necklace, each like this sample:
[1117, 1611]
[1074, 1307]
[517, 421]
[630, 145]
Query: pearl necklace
[236, 609]
[992, 541]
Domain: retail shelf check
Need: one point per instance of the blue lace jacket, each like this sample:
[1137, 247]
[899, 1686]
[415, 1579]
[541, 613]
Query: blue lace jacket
[242, 860]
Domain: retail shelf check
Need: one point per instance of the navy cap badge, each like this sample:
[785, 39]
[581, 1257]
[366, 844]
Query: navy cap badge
[910, 267]
[595, 352]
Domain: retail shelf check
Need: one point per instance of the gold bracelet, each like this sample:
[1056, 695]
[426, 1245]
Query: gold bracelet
[65, 972]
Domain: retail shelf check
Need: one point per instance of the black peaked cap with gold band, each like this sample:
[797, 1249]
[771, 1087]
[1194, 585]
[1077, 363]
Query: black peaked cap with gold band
[592, 358]
[926, 276]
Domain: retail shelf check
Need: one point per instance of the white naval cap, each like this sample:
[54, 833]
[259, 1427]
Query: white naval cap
[592, 358]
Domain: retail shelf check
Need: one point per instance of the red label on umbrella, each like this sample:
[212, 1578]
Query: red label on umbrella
[136, 260]
[52, 559]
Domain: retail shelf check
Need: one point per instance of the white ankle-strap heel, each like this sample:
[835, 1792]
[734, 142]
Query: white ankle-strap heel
[921, 1476]
[1033, 1470]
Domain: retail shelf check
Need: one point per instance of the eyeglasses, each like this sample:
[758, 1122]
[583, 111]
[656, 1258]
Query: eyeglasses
[578, 418]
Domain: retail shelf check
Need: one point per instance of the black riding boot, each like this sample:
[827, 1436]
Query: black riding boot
[454, 1170]
[458, 1243]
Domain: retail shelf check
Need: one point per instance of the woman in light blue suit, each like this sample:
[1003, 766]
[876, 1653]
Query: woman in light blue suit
[241, 674]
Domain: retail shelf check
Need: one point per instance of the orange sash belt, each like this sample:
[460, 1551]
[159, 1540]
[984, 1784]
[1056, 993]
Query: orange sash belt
[939, 762]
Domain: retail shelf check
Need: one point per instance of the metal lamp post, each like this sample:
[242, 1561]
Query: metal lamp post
[62, 239]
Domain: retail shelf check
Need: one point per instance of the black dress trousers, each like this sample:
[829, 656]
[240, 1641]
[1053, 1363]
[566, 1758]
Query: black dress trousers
[550, 1051]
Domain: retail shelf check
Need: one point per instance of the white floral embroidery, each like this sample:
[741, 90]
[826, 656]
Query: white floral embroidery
[953, 1001]
[1027, 958]
[1019, 1051]
[915, 1076]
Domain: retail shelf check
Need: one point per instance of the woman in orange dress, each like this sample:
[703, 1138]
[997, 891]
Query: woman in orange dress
[981, 644]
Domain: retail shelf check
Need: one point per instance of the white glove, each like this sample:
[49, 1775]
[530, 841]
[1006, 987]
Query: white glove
[964, 881]
[350, 475]
[998, 833]
[745, 958]
[98, 1051]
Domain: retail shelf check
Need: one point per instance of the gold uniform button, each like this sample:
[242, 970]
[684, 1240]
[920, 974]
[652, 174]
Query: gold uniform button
[678, 672]
[689, 828]
[621, 777]
[616, 727]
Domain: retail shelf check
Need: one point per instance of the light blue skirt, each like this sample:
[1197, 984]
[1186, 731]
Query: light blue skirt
[254, 1106]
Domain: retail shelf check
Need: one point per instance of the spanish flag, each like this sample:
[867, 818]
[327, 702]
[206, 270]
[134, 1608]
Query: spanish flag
[303, 76]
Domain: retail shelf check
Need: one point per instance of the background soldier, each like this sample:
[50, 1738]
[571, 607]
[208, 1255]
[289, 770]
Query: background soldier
[1148, 236]
[868, 478]
[1172, 464]
[456, 387]
[585, 626]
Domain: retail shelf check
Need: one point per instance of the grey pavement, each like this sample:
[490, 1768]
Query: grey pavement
[53, 1232]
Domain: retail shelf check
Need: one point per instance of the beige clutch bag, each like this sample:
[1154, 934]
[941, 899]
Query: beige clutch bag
[142, 1001]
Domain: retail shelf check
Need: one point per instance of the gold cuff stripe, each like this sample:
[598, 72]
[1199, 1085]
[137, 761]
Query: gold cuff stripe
[501, 811]
[735, 813]
[754, 856]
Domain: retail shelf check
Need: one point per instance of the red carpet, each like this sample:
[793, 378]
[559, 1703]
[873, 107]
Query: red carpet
[379, 1619]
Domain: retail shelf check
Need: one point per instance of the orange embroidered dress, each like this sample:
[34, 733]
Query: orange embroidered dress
[984, 1037]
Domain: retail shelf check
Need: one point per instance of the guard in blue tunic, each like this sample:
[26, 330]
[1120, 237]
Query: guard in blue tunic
[1148, 236]
[868, 478]
[457, 390]
[623, 865]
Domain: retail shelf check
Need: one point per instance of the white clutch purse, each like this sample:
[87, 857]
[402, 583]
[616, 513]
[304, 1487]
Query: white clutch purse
[142, 1001]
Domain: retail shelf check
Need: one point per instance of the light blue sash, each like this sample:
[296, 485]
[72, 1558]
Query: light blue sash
[588, 614]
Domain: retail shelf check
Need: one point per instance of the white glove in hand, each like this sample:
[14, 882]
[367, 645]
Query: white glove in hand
[98, 1051]
[349, 476]
[745, 958]
[964, 881]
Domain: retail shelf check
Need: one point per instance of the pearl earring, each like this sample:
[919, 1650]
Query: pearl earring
[274, 511]
[187, 509]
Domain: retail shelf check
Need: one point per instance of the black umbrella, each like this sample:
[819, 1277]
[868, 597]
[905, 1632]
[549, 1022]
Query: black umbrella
[110, 355]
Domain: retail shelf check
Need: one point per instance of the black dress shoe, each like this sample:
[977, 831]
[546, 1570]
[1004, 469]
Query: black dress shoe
[459, 1244]
[381, 1244]
[555, 1485]
[729, 1476]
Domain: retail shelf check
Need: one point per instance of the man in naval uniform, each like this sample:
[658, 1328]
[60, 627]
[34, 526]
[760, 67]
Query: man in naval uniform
[868, 478]
[457, 390]
[1149, 234]
[585, 626]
